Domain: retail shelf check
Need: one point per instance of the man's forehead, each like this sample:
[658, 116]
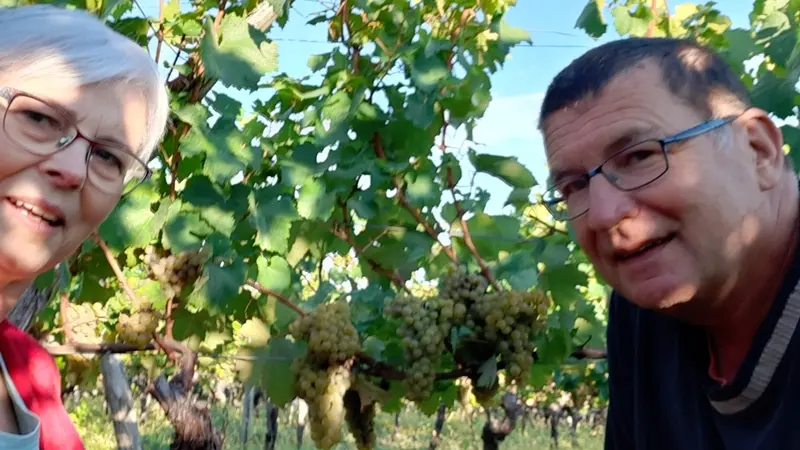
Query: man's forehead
[641, 84]
[578, 140]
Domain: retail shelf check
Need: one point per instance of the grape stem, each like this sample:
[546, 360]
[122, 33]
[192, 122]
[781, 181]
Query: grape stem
[169, 320]
[83, 347]
[114, 266]
[257, 286]
[344, 233]
[377, 145]
[64, 304]
[466, 15]
[78, 348]
[387, 372]
[460, 212]
[551, 229]
[188, 359]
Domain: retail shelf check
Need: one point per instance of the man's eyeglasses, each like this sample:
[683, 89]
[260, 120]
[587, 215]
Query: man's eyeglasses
[43, 129]
[631, 168]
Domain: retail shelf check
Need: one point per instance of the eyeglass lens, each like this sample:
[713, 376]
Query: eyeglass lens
[630, 169]
[43, 130]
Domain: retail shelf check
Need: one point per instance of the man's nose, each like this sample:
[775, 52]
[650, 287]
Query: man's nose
[608, 205]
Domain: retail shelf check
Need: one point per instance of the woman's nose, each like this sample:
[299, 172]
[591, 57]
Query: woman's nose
[66, 169]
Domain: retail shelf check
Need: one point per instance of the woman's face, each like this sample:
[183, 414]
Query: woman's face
[32, 185]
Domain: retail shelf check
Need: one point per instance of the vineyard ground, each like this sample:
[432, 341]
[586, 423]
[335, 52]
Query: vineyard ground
[414, 433]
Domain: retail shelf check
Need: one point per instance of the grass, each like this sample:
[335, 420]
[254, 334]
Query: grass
[414, 433]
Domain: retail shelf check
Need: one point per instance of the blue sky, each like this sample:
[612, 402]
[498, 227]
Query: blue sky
[509, 126]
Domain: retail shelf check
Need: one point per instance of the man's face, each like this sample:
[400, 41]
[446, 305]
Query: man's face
[702, 208]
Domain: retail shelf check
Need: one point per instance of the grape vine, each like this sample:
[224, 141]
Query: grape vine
[325, 230]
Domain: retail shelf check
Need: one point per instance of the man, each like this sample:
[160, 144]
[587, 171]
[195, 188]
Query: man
[680, 194]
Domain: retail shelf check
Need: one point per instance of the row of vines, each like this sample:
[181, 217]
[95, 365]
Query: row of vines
[324, 238]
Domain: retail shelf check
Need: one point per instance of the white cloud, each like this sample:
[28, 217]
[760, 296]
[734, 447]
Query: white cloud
[510, 118]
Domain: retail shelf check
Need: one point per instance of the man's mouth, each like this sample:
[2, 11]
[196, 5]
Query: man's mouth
[37, 212]
[649, 245]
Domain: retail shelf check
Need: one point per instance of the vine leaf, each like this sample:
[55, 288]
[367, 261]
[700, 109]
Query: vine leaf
[428, 72]
[184, 229]
[200, 191]
[272, 369]
[373, 347]
[218, 285]
[274, 273]
[510, 35]
[488, 373]
[540, 375]
[317, 62]
[315, 202]
[493, 234]
[791, 137]
[519, 198]
[235, 57]
[153, 292]
[255, 332]
[132, 223]
[447, 396]
[506, 168]
[519, 270]
[272, 218]
[775, 94]
[420, 110]
[591, 19]
[171, 9]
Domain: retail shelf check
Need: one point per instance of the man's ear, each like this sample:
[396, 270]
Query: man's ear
[765, 140]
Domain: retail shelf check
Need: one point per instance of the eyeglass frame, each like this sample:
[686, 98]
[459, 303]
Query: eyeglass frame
[9, 94]
[694, 131]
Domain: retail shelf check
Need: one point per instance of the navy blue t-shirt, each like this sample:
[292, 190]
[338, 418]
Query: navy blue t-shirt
[662, 396]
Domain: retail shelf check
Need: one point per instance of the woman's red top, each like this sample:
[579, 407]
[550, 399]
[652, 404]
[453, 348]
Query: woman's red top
[38, 381]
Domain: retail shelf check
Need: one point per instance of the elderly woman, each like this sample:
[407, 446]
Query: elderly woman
[82, 110]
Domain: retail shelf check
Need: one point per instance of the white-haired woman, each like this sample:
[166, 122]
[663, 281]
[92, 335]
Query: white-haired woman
[82, 109]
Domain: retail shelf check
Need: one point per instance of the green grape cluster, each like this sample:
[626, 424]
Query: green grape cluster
[137, 328]
[82, 371]
[499, 323]
[330, 334]
[360, 420]
[425, 326]
[323, 389]
[507, 321]
[510, 320]
[462, 287]
[81, 320]
[322, 375]
[174, 271]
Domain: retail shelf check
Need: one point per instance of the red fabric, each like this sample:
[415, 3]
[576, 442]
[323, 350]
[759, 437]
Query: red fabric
[38, 381]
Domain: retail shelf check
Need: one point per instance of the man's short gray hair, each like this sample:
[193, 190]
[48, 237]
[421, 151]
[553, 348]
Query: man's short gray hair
[75, 46]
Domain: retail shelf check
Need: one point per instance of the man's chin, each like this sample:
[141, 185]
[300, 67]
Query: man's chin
[668, 301]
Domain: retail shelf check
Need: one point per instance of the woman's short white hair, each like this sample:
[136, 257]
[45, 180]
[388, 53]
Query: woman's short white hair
[74, 45]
